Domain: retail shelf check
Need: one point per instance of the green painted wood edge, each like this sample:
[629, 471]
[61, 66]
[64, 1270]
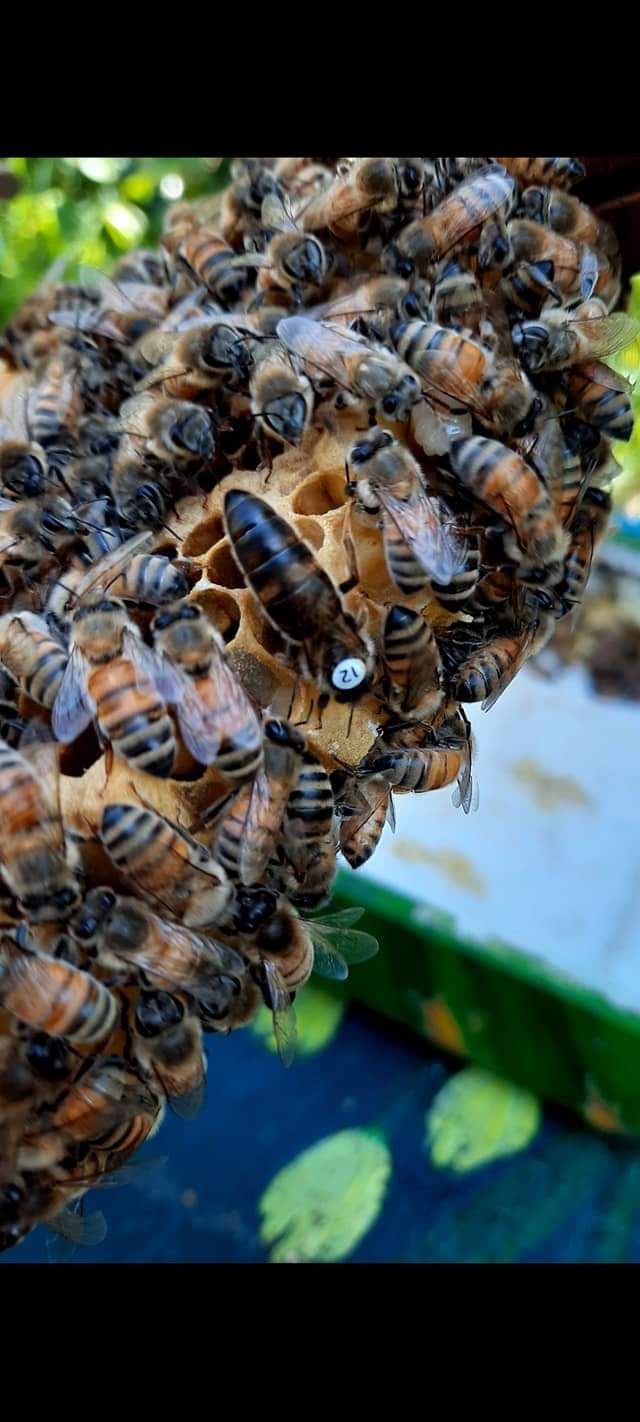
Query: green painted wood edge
[504, 1009]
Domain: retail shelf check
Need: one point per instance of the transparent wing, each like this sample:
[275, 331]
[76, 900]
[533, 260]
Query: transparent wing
[343, 918]
[73, 708]
[275, 213]
[508, 675]
[437, 379]
[608, 334]
[326, 347]
[285, 1028]
[74, 1229]
[327, 962]
[112, 564]
[150, 666]
[203, 727]
[420, 522]
[258, 830]
[189, 1105]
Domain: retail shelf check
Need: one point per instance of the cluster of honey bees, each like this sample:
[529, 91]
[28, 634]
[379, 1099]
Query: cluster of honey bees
[278, 500]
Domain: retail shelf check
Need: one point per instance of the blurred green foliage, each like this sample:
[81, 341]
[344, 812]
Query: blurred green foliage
[626, 489]
[89, 210]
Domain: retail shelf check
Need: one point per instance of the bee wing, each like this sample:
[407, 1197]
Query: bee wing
[73, 708]
[274, 213]
[71, 1230]
[151, 666]
[336, 944]
[448, 383]
[420, 523]
[258, 830]
[204, 727]
[38, 748]
[461, 220]
[113, 562]
[351, 828]
[190, 1103]
[603, 375]
[508, 675]
[391, 814]
[608, 334]
[132, 413]
[465, 794]
[15, 407]
[285, 1028]
[323, 346]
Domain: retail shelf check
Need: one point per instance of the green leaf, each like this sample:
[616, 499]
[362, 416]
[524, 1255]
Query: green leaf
[125, 223]
[318, 1014]
[319, 1207]
[477, 1118]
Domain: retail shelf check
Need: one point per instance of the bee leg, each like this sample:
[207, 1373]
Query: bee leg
[307, 718]
[108, 764]
[294, 693]
[322, 702]
[371, 414]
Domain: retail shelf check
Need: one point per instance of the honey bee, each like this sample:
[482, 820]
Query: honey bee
[575, 267]
[460, 217]
[227, 276]
[458, 299]
[345, 207]
[35, 659]
[416, 528]
[165, 863]
[460, 373]
[227, 730]
[141, 488]
[375, 303]
[285, 937]
[298, 597]
[34, 527]
[295, 261]
[34, 860]
[212, 353]
[241, 208]
[175, 431]
[143, 266]
[54, 405]
[561, 172]
[588, 527]
[108, 1105]
[601, 398]
[308, 820]
[165, 952]
[167, 1046]
[311, 889]
[409, 761]
[529, 288]
[247, 833]
[413, 677]
[368, 806]
[23, 462]
[499, 478]
[52, 996]
[113, 678]
[117, 310]
[491, 668]
[564, 213]
[282, 398]
[231, 1004]
[563, 338]
[367, 370]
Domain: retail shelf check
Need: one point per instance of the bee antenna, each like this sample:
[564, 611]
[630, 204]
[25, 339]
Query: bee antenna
[170, 530]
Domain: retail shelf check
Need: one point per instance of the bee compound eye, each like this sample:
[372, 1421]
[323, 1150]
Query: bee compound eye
[348, 673]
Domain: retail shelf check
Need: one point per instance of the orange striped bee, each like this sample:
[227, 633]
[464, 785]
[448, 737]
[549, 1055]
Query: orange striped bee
[413, 678]
[246, 835]
[228, 732]
[54, 997]
[165, 863]
[34, 859]
[107, 1106]
[499, 478]
[460, 216]
[112, 677]
[35, 659]
[167, 1046]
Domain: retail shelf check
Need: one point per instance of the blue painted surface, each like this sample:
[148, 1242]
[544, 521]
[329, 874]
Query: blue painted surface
[571, 1195]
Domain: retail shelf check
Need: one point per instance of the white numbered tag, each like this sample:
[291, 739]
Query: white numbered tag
[348, 673]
